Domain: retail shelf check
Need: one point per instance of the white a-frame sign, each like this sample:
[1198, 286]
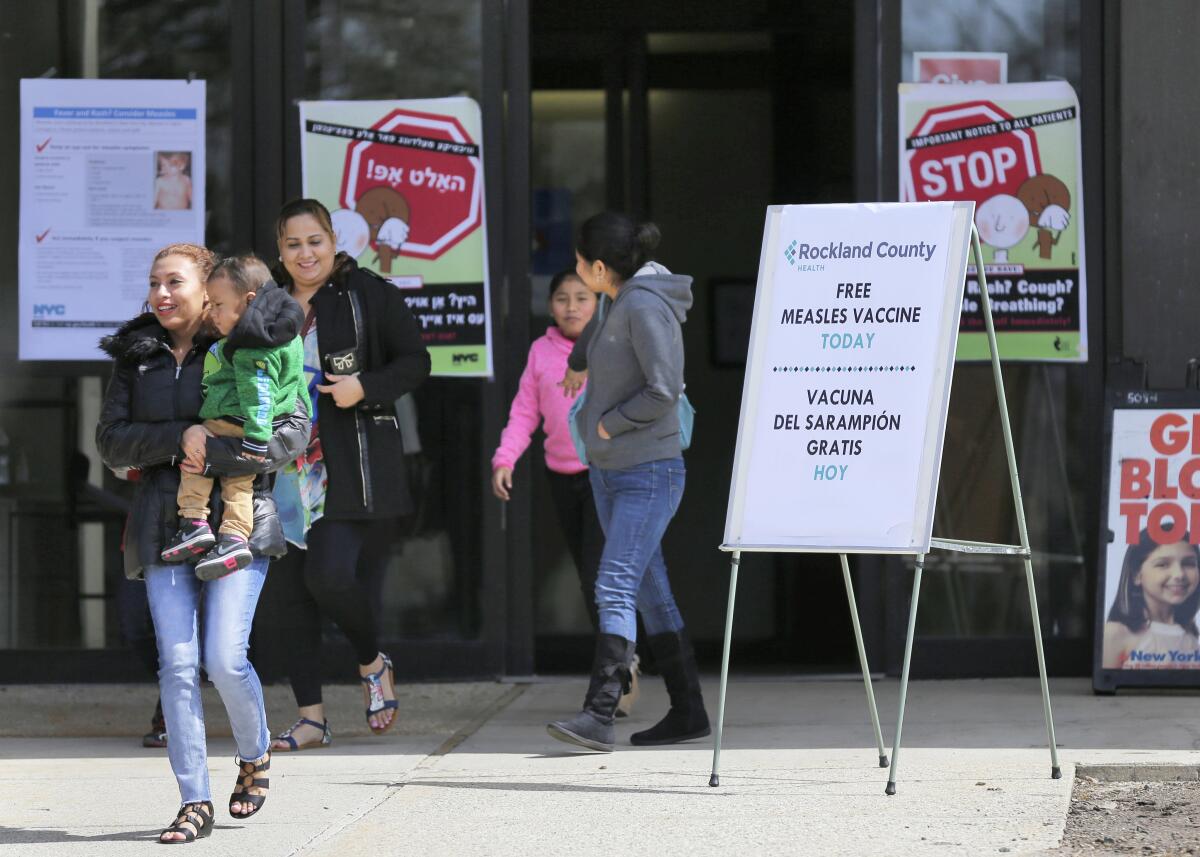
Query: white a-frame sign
[844, 405]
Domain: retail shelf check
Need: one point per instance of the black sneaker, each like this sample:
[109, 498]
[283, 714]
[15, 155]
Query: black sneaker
[157, 736]
[230, 554]
[193, 538]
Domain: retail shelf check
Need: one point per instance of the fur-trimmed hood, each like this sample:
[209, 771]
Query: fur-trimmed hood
[136, 340]
[139, 339]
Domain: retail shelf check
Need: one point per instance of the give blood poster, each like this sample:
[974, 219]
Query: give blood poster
[1014, 151]
[1150, 586]
[403, 181]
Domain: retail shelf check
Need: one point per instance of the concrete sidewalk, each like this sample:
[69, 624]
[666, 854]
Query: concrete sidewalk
[471, 771]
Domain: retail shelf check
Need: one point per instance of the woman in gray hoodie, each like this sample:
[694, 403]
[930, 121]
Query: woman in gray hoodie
[630, 425]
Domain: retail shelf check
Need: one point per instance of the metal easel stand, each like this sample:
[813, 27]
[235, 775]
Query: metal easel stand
[1021, 550]
[715, 779]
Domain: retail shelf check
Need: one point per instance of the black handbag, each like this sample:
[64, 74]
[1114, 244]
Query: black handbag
[342, 362]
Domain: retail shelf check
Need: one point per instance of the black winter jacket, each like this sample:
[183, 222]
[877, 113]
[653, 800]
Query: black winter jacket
[364, 456]
[149, 403]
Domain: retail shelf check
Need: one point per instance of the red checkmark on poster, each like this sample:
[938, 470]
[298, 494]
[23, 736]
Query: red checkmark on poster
[44, 144]
[42, 236]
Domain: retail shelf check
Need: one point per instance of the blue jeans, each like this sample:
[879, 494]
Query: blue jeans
[635, 505]
[206, 624]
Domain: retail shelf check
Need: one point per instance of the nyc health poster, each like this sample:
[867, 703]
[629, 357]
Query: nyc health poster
[111, 171]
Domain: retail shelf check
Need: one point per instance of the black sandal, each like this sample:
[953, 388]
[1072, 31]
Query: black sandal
[248, 779]
[157, 736]
[195, 821]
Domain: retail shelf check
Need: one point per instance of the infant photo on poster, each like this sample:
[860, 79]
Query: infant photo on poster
[173, 181]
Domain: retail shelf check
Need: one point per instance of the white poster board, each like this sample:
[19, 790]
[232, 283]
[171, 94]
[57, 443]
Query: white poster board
[848, 377]
[111, 171]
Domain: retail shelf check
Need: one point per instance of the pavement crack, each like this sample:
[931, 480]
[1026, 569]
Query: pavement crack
[451, 744]
[390, 790]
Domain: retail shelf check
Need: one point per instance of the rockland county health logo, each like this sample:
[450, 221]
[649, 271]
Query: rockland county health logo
[796, 253]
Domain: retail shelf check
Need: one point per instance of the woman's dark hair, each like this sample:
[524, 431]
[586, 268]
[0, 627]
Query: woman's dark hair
[561, 277]
[299, 207]
[313, 208]
[617, 241]
[1129, 607]
[247, 273]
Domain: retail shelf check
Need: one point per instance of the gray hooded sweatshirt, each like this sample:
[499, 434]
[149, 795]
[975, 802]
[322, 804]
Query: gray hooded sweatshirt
[635, 358]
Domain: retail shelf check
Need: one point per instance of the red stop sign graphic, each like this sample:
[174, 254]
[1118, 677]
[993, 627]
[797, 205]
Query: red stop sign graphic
[974, 168]
[436, 196]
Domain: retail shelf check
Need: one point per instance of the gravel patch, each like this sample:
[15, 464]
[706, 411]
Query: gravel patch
[1133, 817]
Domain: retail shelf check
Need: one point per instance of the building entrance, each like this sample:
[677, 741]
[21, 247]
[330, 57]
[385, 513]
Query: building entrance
[695, 116]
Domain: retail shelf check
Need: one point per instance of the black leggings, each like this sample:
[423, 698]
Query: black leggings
[325, 580]
[572, 495]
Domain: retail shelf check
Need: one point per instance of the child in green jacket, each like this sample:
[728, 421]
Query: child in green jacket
[252, 377]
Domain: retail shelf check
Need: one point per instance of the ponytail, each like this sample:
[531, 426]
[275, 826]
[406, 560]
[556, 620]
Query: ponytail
[618, 241]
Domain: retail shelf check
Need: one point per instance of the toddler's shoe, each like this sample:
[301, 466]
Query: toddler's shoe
[228, 555]
[193, 538]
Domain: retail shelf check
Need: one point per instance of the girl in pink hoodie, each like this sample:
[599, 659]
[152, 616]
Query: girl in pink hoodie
[540, 400]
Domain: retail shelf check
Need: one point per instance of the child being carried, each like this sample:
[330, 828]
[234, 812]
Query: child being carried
[252, 377]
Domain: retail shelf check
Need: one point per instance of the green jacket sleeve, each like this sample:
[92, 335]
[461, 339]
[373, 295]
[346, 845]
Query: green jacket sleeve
[257, 374]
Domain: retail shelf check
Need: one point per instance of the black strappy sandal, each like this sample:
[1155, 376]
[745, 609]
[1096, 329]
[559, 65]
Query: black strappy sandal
[195, 821]
[248, 778]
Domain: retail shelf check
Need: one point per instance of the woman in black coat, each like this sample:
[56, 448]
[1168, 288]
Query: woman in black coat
[150, 421]
[363, 351]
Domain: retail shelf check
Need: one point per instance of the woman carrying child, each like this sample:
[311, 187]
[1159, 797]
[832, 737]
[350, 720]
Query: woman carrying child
[150, 420]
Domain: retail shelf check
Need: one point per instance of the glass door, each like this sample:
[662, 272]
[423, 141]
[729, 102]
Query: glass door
[431, 598]
[975, 610]
[698, 130]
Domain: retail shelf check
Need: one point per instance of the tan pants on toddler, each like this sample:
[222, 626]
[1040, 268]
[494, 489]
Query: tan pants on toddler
[237, 492]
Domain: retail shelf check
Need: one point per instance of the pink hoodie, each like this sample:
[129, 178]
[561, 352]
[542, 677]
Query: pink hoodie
[538, 399]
